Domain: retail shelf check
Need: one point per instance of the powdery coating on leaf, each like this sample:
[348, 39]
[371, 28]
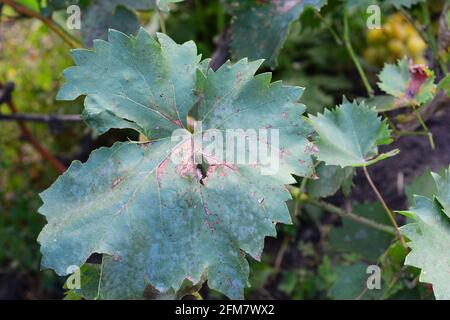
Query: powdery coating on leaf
[163, 218]
[134, 83]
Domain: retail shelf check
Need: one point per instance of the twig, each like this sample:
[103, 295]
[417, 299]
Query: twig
[424, 126]
[40, 117]
[162, 22]
[280, 255]
[330, 28]
[5, 97]
[348, 215]
[66, 37]
[386, 208]
[352, 53]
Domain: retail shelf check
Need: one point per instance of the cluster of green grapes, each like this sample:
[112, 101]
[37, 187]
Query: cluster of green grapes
[394, 40]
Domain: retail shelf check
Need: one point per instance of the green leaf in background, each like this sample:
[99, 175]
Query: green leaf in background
[329, 180]
[157, 221]
[430, 244]
[102, 15]
[443, 190]
[422, 185]
[349, 135]
[411, 84]
[31, 4]
[351, 283]
[260, 28]
[367, 242]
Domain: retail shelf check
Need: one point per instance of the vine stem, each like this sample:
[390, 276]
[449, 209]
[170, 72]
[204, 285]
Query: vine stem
[56, 28]
[59, 167]
[424, 126]
[6, 97]
[348, 215]
[162, 22]
[329, 27]
[386, 208]
[352, 53]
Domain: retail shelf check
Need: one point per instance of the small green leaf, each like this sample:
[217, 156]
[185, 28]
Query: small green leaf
[443, 189]
[411, 84]
[349, 135]
[422, 185]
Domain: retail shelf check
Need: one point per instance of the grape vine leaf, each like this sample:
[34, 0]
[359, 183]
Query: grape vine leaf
[155, 220]
[349, 135]
[329, 180]
[423, 185]
[364, 241]
[429, 239]
[260, 28]
[100, 15]
[443, 189]
[413, 84]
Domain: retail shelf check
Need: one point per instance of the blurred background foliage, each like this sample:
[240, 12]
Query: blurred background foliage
[301, 263]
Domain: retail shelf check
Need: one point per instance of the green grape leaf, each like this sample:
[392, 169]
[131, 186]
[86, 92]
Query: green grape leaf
[349, 135]
[260, 28]
[410, 84]
[443, 189]
[430, 244]
[158, 216]
[365, 241]
[329, 180]
[102, 15]
[126, 89]
[423, 185]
